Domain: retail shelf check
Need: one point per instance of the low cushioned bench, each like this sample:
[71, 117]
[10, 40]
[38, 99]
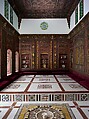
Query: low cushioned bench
[8, 80]
[3, 84]
[85, 84]
[83, 80]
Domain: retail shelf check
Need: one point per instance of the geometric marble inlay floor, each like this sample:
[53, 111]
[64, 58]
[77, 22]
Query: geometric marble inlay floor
[8, 110]
[44, 89]
[44, 83]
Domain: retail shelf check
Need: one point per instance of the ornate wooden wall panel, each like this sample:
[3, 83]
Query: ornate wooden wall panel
[79, 54]
[26, 52]
[33, 55]
[55, 66]
[3, 55]
[63, 49]
[79, 40]
[43, 46]
[87, 49]
[9, 40]
[0, 47]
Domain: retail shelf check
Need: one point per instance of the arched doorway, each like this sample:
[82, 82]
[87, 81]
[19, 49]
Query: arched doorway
[9, 62]
[16, 61]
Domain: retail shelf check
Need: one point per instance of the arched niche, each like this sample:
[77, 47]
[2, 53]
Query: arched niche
[9, 62]
[16, 61]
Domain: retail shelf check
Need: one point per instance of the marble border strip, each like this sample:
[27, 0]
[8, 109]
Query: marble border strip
[44, 97]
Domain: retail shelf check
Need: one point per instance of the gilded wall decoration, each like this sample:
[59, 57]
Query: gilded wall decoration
[37, 51]
[33, 56]
[79, 55]
[88, 56]
[37, 45]
[54, 55]
[50, 54]
[88, 61]
[76, 56]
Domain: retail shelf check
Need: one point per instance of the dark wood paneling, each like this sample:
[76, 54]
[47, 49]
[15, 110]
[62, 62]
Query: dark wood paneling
[44, 8]
[9, 40]
[36, 45]
[79, 42]
[3, 55]
[0, 46]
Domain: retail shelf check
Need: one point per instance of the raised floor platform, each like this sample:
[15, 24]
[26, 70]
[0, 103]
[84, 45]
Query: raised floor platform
[44, 88]
[84, 81]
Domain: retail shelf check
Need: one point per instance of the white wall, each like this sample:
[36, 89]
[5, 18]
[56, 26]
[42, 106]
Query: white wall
[15, 21]
[55, 26]
[86, 6]
[72, 19]
[15, 18]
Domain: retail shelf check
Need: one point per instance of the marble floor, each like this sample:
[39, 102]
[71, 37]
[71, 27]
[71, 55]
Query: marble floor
[44, 89]
[44, 83]
[8, 110]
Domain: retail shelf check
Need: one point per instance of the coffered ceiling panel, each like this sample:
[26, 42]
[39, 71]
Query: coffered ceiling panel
[44, 8]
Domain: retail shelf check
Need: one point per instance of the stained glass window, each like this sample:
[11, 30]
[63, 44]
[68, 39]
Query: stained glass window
[81, 7]
[11, 15]
[6, 9]
[76, 15]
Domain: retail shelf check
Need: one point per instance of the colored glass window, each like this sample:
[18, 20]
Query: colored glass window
[76, 15]
[81, 6]
[6, 9]
[11, 15]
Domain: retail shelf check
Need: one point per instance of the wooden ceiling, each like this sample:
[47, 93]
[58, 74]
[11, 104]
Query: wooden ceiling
[44, 8]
